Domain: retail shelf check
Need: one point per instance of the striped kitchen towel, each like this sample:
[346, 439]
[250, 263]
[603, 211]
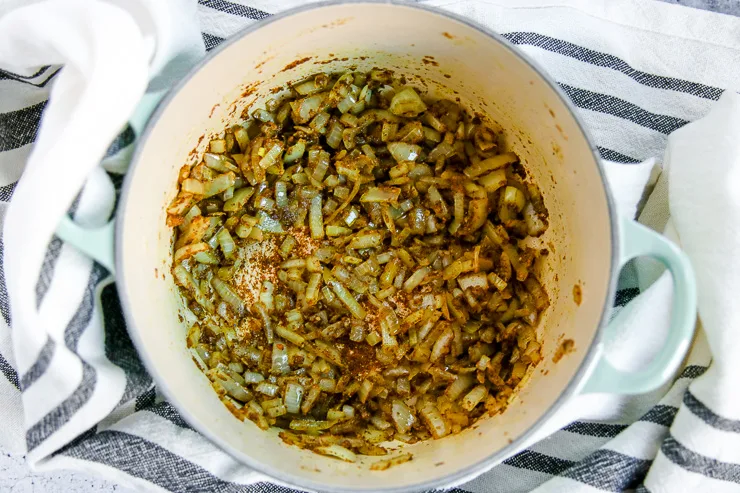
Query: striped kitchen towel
[637, 70]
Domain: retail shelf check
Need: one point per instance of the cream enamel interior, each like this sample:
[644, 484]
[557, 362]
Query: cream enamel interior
[486, 76]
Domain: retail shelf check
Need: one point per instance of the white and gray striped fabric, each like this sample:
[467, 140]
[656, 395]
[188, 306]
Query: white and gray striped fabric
[635, 69]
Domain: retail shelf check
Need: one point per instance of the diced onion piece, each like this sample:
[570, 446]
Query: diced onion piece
[294, 263]
[267, 325]
[453, 270]
[349, 120]
[490, 164]
[344, 105]
[443, 150]
[309, 425]
[473, 281]
[322, 165]
[370, 267]
[244, 228]
[442, 345]
[305, 109]
[389, 341]
[535, 225]
[407, 103]
[333, 231]
[180, 204]
[192, 213]
[188, 251]
[416, 278]
[272, 156]
[494, 180]
[228, 193]
[239, 199]
[367, 239]
[220, 163]
[312, 290]
[293, 397]
[348, 300]
[514, 198]
[434, 421]
[474, 397]
[295, 152]
[268, 224]
[263, 115]
[380, 423]
[319, 122]
[393, 461]
[328, 352]
[228, 295]
[253, 377]
[477, 214]
[275, 411]
[402, 417]
[231, 387]
[459, 212]
[269, 389]
[308, 87]
[541, 300]
[281, 194]
[254, 408]
[316, 218]
[499, 283]
[401, 151]
[290, 335]
[191, 185]
[242, 137]
[280, 364]
[334, 135]
[419, 170]
[338, 452]
[365, 388]
[461, 384]
[381, 194]
[431, 134]
[207, 257]
[219, 184]
[228, 247]
[198, 359]
[373, 338]
[327, 385]
[185, 279]
[265, 204]
[266, 295]
[313, 394]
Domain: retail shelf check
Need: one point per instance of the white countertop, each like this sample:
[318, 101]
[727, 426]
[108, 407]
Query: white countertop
[16, 477]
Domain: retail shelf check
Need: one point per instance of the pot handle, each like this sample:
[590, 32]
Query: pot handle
[98, 243]
[638, 240]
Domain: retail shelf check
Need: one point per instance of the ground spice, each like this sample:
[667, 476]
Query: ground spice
[261, 260]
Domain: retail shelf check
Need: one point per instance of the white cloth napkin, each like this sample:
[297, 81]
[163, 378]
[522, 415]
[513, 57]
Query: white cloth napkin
[109, 53]
[637, 70]
[703, 162]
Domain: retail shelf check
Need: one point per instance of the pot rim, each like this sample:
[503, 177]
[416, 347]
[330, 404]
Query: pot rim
[472, 470]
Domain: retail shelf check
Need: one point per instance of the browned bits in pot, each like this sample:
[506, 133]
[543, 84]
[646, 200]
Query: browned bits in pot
[565, 347]
[356, 260]
[577, 294]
